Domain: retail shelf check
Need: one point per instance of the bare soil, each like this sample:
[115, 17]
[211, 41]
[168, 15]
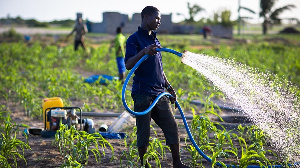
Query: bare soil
[44, 152]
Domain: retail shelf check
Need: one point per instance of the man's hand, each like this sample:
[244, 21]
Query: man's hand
[151, 49]
[173, 99]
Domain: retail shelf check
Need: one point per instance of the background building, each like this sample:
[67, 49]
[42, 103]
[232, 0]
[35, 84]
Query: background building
[112, 20]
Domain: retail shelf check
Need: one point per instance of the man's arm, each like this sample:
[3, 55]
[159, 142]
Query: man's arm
[85, 29]
[167, 84]
[71, 32]
[170, 90]
[150, 50]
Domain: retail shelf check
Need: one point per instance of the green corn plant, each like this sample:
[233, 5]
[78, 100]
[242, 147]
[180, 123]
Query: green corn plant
[190, 97]
[103, 143]
[183, 102]
[210, 106]
[3, 113]
[156, 150]
[149, 155]
[131, 155]
[214, 159]
[87, 107]
[224, 147]
[250, 156]
[195, 156]
[154, 147]
[241, 130]
[70, 162]
[201, 126]
[60, 139]
[10, 146]
[116, 87]
[229, 136]
[257, 137]
[157, 145]
[77, 144]
[82, 148]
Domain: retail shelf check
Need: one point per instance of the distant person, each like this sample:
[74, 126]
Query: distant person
[149, 81]
[120, 41]
[80, 30]
[27, 38]
[206, 30]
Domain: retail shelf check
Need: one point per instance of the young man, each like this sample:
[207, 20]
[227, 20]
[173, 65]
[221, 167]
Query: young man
[148, 83]
[80, 30]
[120, 41]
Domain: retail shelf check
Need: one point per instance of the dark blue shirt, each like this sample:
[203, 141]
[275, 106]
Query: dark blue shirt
[148, 77]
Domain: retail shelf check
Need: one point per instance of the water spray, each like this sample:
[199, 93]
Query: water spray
[182, 55]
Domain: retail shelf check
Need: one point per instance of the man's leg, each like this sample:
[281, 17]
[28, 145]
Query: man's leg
[83, 44]
[76, 43]
[163, 116]
[122, 76]
[141, 103]
[121, 68]
[142, 151]
[176, 156]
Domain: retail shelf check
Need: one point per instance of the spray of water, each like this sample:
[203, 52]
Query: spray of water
[263, 99]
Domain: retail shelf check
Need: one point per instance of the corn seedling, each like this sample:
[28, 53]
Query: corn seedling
[77, 144]
[195, 156]
[10, 146]
[131, 155]
[250, 156]
[71, 162]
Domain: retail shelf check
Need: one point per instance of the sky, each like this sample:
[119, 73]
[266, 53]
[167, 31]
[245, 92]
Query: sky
[49, 10]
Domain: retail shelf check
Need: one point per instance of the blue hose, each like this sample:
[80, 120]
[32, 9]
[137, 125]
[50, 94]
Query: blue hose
[179, 107]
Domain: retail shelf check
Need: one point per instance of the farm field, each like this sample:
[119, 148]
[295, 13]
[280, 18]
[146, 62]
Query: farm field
[47, 67]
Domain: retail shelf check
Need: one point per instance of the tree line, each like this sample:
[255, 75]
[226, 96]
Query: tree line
[270, 15]
[35, 23]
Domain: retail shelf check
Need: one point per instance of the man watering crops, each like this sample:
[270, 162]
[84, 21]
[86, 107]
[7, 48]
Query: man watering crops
[148, 83]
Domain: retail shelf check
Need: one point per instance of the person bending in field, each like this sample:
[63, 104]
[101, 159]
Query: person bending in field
[80, 30]
[148, 83]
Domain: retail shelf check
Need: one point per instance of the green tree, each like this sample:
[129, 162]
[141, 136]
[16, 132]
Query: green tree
[225, 18]
[35, 23]
[271, 15]
[65, 23]
[240, 17]
[216, 18]
[222, 17]
[193, 11]
[19, 20]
